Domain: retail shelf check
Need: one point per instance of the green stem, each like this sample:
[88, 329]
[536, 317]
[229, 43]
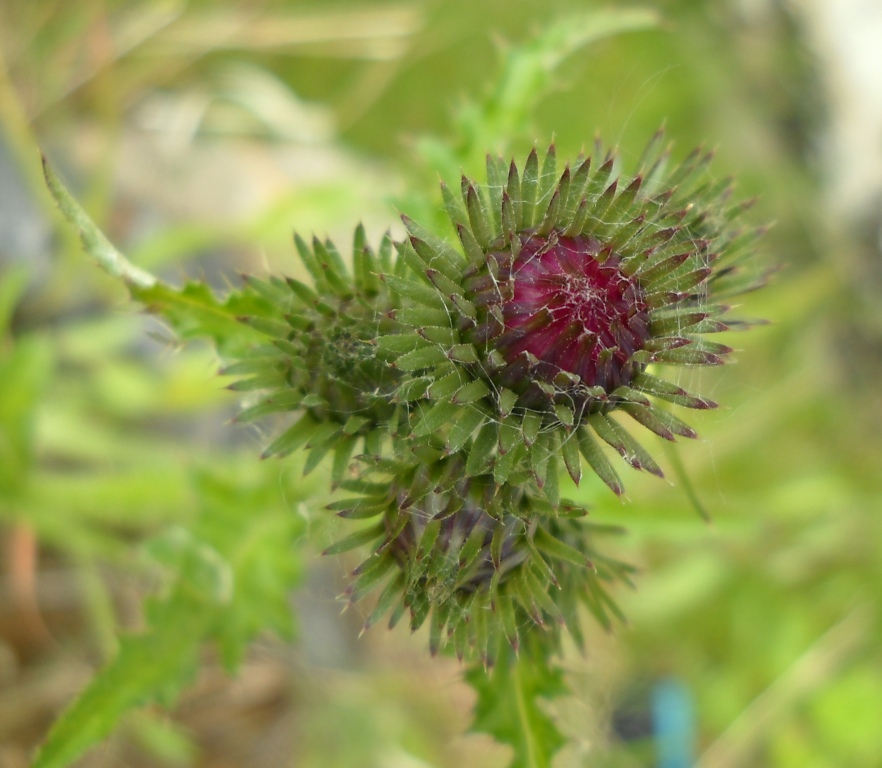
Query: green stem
[524, 716]
[94, 240]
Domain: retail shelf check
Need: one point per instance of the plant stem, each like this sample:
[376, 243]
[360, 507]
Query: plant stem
[94, 240]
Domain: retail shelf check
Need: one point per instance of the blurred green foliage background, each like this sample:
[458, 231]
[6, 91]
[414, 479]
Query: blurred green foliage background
[199, 134]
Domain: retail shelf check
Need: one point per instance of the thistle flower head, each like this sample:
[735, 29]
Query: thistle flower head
[565, 295]
[319, 359]
[480, 564]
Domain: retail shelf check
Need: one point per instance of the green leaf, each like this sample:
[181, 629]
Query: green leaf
[154, 665]
[532, 424]
[529, 184]
[272, 328]
[465, 306]
[691, 355]
[470, 245]
[445, 386]
[453, 206]
[343, 450]
[573, 462]
[670, 392]
[231, 576]
[357, 539]
[364, 262]
[477, 210]
[559, 550]
[614, 434]
[391, 594]
[443, 283]
[437, 253]
[440, 334]
[308, 257]
[507, 400]
[199, 565]
[413, 389]
[370, 573]
[661, 422]
[194, 311]
[418, 317]
[463, 353]
[333, 267]
[506, 462]
[547, 179]
[320, 442]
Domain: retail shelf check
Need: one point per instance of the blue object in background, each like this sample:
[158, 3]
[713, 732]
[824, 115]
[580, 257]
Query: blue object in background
[673, 724]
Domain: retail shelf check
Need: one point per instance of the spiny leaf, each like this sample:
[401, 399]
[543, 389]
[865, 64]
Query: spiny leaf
[194, 311]
[156, 664]
[471, 392]
[231, 577]
[613, 433]
[529, 188]
[283, 400]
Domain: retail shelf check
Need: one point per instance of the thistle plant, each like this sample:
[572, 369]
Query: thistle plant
[454, 383]
[447, 384]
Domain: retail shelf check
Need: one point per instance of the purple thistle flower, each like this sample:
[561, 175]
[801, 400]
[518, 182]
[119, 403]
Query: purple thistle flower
[566, 294]
[571, 308]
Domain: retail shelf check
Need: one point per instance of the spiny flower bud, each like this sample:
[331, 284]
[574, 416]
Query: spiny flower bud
[482, 565]
[566, 294]
[320, 359]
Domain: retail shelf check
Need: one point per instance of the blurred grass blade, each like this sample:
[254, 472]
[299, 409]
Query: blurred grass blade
[12, 285]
